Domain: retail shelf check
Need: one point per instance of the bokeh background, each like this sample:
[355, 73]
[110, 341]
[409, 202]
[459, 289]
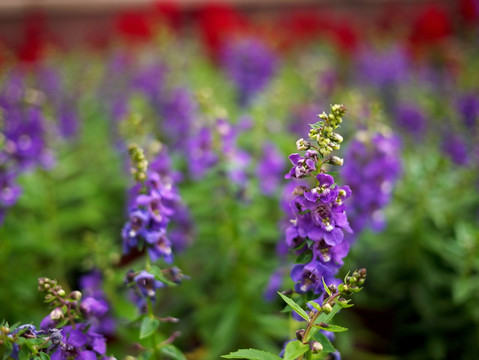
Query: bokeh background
[85, 78]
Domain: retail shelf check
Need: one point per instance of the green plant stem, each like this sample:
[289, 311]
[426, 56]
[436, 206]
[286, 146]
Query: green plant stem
[313, 319]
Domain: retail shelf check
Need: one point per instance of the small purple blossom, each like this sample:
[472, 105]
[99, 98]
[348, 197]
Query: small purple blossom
[302, 166]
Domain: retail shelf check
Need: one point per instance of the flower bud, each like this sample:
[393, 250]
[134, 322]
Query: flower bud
[315, 347]
[335, 160]
[323, 116]
[327, 308]
[61, 292]
[300, 334]
[56, 314]
[302, 144]
[336, 137]
[76, 295]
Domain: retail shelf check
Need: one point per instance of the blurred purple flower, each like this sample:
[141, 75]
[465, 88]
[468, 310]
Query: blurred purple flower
[251, 65]
[411, 118]
[468, 108]
[269, 168]
[372, 170]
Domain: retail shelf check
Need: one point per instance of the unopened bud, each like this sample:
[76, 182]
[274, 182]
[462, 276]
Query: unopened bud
[61, 292]
[315, 347]
[76, 295]
[323, 116]
[300, 334]
[336, 137]
[302, 144]
[56, 314]
[327, 308]
[335, 160]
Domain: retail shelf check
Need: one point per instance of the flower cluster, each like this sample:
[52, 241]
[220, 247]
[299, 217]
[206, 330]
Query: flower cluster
[69, 323]
[155, 203]
[316, 232]
[152, 207]
[372, 172]
[95, 304]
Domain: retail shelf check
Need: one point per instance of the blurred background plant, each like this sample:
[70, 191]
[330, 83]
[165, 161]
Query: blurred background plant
[226, 91]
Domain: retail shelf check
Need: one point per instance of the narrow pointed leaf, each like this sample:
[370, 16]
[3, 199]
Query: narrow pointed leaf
[252, 354]
[295, 307]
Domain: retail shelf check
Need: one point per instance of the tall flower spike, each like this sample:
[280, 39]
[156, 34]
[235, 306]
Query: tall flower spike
[317, 230]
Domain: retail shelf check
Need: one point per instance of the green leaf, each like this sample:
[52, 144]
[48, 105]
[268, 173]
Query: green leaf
[44, 356]
[295, 307]
[326, 288]
[333, 328]
[252, 354]
[148, 326]
[304, 257]
[156, 271]
[173, 352]
[294, 349]
[315, 305]
[327, 346]
[24, 353]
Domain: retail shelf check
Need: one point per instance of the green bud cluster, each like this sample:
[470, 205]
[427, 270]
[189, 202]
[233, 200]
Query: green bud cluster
[352, 283]
[139, 163]
[323, 132]
[63, 304]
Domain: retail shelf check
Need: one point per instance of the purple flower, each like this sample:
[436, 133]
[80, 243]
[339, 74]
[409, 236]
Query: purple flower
[455, 147]
[95, 304]
[9, 191]
[468, 108]
[269, 169]
[251, 65]
[143, 286]
[178, 113]
[372, 171]
[149, 81]
[387, 67]
[411, 118]
[308, 277]
[302, 166]
[201, 156]
[80, 343]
